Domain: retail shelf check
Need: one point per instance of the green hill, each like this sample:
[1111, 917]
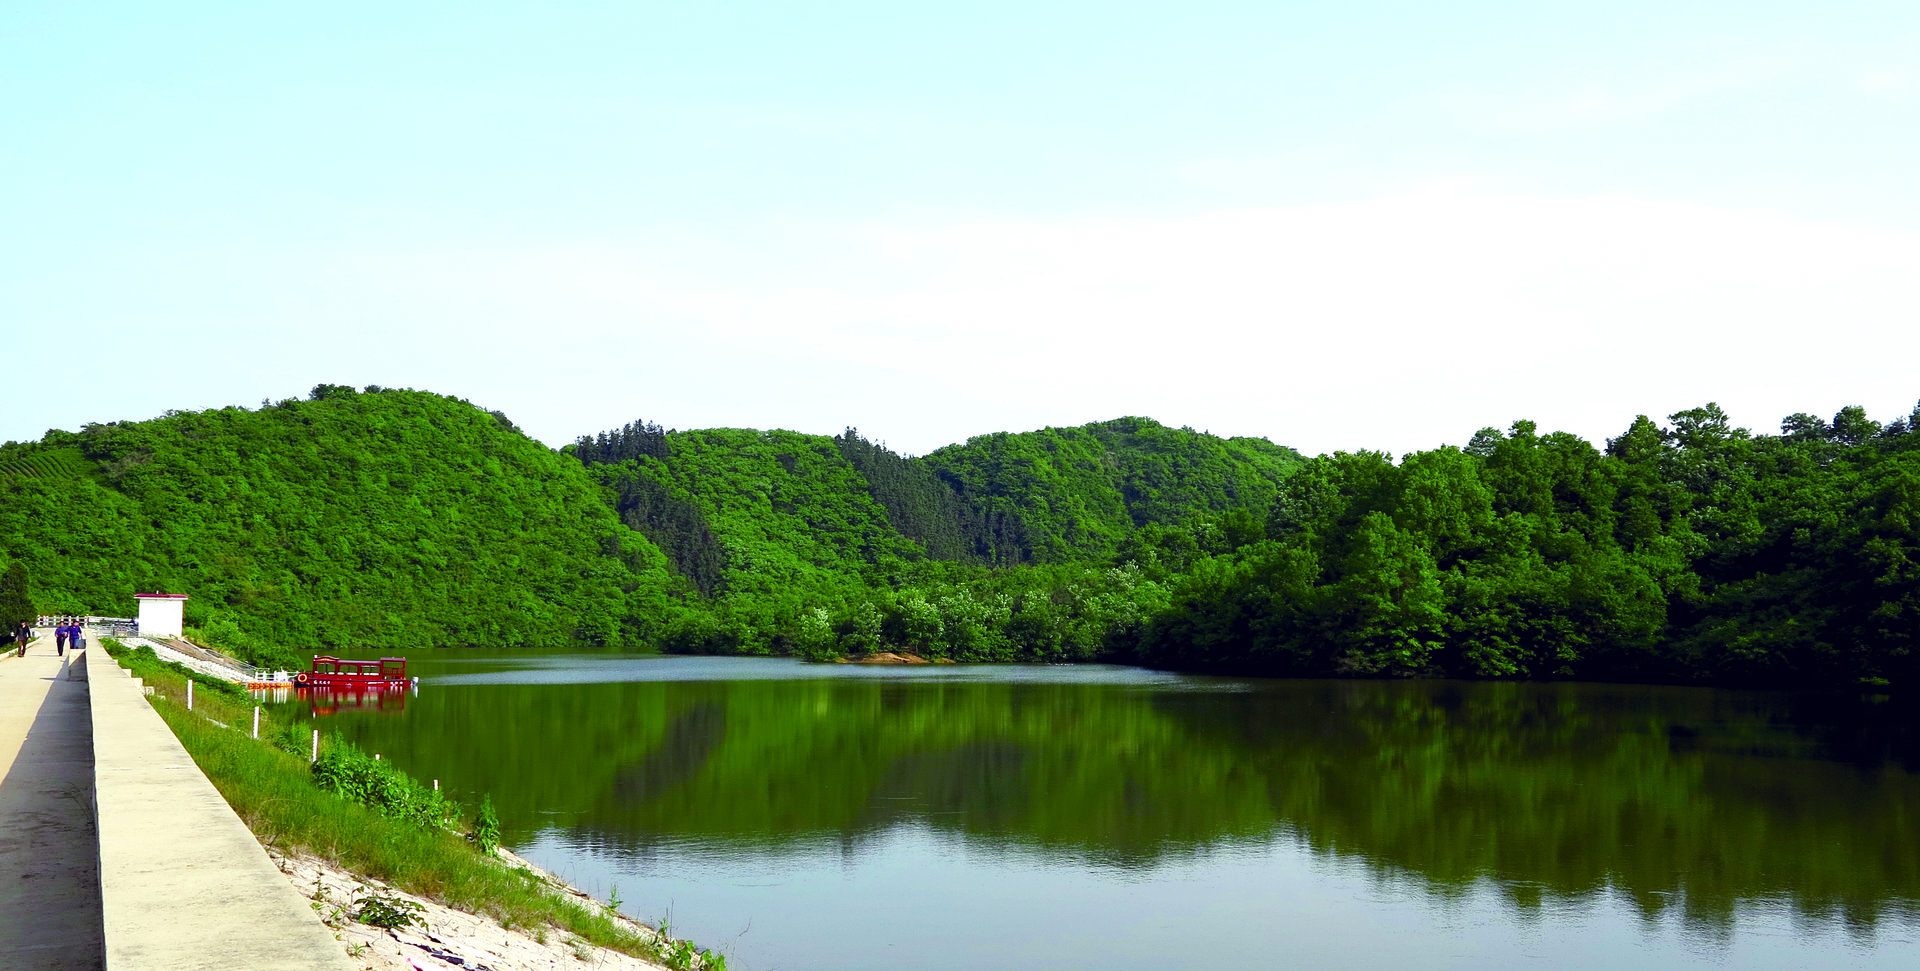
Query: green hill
[1061, 495]
[1696, 551]
[793, 511]
[785, 511]
[391, 517]
[382, 518]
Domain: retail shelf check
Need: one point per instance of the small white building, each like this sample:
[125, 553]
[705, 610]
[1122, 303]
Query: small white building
[162, 614]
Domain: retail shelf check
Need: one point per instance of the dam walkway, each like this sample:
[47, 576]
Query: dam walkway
[116, 851]
[50, 913]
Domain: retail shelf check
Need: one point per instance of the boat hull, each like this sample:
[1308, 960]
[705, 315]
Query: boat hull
[311, 680]
[334, 672]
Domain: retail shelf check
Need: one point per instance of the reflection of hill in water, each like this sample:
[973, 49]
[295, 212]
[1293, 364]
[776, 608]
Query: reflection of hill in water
[691, 738]
[1668, 795]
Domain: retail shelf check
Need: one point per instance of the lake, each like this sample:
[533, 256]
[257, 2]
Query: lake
[801, 816]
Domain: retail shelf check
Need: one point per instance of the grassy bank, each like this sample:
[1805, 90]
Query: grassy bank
[273, 791]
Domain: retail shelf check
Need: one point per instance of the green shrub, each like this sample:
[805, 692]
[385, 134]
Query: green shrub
[390, 912]
[345, 770]
[289, 737]
[486, 828]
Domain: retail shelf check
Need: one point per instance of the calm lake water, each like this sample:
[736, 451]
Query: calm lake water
[824, 817]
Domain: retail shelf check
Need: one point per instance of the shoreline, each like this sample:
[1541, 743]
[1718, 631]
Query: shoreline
[465, 910]
[233, 669]
[451, 938]
[893, 657]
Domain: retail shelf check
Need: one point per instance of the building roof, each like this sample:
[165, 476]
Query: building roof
[162, 596]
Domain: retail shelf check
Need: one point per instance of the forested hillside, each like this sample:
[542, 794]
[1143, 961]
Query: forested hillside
[814, 544]
[1690, 551]
[350, 519]
[1058, 495]
[1065, 494]
[1694, 551]
[363, 519]
[789, 513]
[1697, 551]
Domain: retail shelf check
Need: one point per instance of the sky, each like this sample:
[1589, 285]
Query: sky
[1376, 225]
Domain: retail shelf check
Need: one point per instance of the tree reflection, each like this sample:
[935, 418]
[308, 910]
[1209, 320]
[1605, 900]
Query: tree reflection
[1686, 802]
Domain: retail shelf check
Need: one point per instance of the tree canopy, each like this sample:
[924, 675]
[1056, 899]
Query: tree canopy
[385, 518]
[1690, 551]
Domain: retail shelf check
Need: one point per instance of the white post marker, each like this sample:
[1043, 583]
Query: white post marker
[436, 785]
[256, 721]
[316, 746]
[189, 694]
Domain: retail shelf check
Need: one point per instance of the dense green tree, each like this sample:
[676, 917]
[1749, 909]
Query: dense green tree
[647, 502]
[16, 601]
[919, 504]
[1694, 552]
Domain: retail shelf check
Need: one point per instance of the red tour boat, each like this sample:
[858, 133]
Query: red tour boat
[388, 672]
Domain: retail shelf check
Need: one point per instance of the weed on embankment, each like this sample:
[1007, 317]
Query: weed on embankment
[274, 791]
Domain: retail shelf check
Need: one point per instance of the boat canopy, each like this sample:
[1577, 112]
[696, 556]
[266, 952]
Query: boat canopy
[385, 669]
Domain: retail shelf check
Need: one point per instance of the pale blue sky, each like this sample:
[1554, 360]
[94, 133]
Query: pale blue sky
[1336, 225]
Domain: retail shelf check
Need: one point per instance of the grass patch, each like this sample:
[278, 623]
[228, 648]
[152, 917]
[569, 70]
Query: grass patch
[344, 770]
[274, 792]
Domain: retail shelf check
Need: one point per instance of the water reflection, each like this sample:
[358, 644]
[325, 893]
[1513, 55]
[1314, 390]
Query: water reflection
[323, 700]
[1676, 804]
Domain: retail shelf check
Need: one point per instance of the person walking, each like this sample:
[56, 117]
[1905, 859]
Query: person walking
[60, 637]
[20, 639]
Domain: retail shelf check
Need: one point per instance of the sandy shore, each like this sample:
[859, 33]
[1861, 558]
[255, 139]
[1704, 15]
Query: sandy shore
[890, 657]
[452, 940]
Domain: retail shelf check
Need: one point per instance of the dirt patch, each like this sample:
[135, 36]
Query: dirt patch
[446, 938]
[886, 657]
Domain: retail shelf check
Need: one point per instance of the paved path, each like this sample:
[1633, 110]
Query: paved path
[115, 851]
[186, 887]
[49, 852]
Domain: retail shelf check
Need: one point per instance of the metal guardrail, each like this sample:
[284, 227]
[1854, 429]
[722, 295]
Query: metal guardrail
[130, 628]
[106, 625]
